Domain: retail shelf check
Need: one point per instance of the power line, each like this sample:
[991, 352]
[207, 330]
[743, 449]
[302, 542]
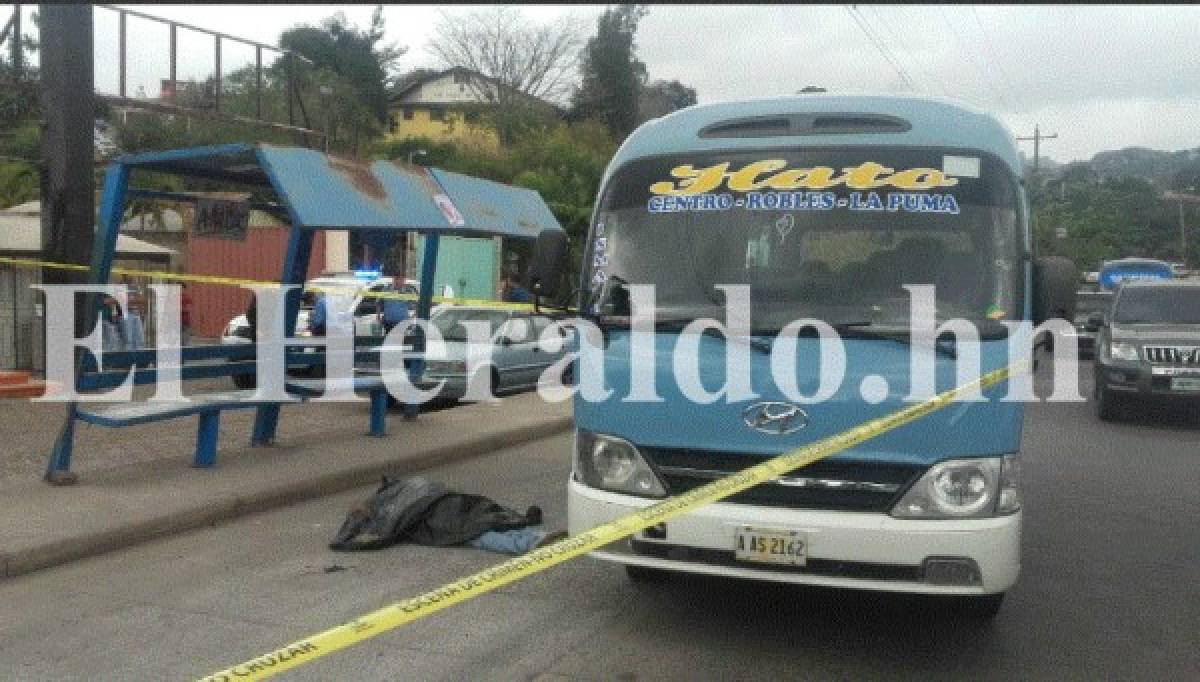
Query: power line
[931, 74]
[958, 41]
[851, 9]
[991, 49]
[877, 40]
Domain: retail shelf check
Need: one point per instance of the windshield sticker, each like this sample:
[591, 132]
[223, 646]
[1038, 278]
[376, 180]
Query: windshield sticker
[961, 166]
[770, 186]
[784, 226]
[599, 257]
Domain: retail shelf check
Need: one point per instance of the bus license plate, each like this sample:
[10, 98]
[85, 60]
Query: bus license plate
[771, 546]
[1185, 384]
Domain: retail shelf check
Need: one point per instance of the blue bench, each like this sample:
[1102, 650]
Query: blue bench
[373, 385]
[201, 362]
[207, 406]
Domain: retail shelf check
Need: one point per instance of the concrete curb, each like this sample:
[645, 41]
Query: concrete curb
[223, 508]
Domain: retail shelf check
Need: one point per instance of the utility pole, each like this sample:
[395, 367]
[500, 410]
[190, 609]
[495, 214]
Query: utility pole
[1182, 198]
[1037, 143]
[1183, 252]
[68, 157]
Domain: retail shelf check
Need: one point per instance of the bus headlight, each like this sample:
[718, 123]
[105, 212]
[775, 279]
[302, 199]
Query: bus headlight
[956, 489]
[614, 464]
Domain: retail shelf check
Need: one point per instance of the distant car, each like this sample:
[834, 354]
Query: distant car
[1087, 303]
[367, 319]
[517, 359]
[1148, 347]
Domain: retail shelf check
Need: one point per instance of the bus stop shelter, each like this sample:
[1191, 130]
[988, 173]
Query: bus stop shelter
[311, 191]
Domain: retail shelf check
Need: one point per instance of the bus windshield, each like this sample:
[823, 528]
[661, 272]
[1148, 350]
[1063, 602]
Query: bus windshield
[830, 234]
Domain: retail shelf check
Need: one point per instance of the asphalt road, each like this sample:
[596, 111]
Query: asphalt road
[1110, 588]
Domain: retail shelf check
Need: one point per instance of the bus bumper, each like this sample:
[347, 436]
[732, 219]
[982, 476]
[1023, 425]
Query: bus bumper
[845, 549]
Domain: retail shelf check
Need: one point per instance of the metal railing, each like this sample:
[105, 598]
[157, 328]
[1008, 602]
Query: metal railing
[11, 33]
[290, 58]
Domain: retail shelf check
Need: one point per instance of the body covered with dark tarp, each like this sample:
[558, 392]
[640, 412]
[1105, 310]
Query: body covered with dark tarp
[425, 512]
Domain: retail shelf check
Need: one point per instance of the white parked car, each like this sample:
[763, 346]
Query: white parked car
[366, 316]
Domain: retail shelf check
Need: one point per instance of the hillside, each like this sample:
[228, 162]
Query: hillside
[1165, 170]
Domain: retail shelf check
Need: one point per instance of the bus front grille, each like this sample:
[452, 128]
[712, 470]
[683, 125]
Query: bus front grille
[828, 484]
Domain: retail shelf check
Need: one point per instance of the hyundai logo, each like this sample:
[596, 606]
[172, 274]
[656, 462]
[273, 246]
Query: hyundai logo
[775, 418]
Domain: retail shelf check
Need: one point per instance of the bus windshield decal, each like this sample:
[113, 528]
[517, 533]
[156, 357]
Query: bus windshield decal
[908, 202]
[773, 174]
[768, 185]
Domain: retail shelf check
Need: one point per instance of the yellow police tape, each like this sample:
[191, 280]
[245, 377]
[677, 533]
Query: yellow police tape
[311, 648]
[234, 281]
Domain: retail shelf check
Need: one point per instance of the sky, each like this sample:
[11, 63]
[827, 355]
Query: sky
[1101, 77]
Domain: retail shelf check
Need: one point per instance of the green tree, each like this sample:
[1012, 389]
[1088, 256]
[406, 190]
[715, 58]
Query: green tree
[662, 97]
[564, 165]
[1104, 219]
[611, 75]
[358, 56]
[20, 137]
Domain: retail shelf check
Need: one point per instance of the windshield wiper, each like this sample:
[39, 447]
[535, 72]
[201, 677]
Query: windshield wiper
[761, 345]
[863, 330]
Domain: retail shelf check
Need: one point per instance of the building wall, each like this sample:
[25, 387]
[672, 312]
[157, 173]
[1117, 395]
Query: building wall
[259, 257]
[454, 128]
[443, 89]
[470, 266]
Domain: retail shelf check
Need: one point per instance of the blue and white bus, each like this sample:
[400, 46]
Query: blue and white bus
[826, 206]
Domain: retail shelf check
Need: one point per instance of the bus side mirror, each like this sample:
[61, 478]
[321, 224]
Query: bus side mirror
[1054, 280]
[546, 264]
[1094, 322]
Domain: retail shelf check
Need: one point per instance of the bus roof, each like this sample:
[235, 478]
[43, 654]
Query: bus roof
[919, 122]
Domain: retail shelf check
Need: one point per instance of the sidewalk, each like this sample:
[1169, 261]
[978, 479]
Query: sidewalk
[43, 525]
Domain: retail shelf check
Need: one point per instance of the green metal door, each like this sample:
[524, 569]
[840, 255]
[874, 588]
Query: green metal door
[467, 265]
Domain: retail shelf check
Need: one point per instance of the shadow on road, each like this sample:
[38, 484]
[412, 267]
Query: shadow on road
[856, 623]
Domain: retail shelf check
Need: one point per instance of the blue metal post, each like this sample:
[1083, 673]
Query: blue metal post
[60, 456]
[424, 303]
[207, 433]
[295, 266]
[379, 405]
[112, 207]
